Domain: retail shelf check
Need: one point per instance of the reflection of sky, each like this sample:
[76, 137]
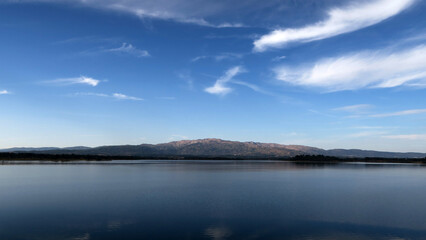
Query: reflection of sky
[217, 200]
[218, 233]
[83, 237]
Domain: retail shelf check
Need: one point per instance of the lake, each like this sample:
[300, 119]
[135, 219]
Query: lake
[212, 200]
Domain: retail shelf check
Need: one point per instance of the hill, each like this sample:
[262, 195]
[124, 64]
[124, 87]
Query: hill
[217, 148]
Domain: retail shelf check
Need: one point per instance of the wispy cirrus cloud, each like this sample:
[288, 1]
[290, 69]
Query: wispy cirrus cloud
[279, 58]
[406, 137]
[237, 36]
[118, 96]
[367, 134]
[199, 58]
[364, 110]
[359, 108]
[121, 96]
[73, 81]
[127, 48]
[219, 57]
[400, 113]
[145, 9]
[369, 127]
[88, 39]
[91, 94]
[182, 11]
[367, 69]
[220, 87]
[4, 92]
[340, 20]
[253, 87]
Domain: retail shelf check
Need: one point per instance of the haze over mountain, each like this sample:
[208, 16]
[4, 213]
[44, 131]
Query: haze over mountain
[212, 147]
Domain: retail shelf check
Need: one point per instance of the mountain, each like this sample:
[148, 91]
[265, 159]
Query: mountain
[365, 153]
[214, 148]
[28, 149]
[202, 148]
[41, 149]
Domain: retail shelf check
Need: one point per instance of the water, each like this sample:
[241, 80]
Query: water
[212, 200]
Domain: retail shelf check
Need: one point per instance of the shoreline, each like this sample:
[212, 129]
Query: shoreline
[73, 158]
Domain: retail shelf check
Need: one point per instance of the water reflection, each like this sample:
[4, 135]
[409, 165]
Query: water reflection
[317, 230]
[218, 232]
[83, 237]
[212, 200]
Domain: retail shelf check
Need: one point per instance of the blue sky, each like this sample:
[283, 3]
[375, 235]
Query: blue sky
[324, 73]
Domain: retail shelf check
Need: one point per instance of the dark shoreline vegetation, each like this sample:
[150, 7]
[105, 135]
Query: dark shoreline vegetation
[13, 156]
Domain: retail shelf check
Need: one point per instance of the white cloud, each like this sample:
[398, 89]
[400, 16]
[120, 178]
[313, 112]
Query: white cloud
[369, 127]
[407, 137]
[220, 87]
[227, 56]
[129, 49]
[121, 96]
[165, 10]
[401, 113]
[367, 134]
[253, 87]
[368, 69]
[219, 57]
[91, 94]
[183, 11]
[359, 108]
[118, 96]
[340, 20]
[72, 81]
[279, 58]
[146, 9]
[87, 39]
[4, 92]
[198, 58]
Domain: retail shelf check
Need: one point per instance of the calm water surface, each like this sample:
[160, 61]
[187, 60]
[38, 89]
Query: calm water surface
[212, 200]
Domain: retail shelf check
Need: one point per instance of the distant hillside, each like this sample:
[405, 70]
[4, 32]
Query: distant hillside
[27, 149]
[216, 148]
[202, 148]
[41, 149]
[372, 154]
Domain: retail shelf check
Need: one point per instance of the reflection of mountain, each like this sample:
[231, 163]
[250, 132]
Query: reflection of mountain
[215, 148]
[356, 229]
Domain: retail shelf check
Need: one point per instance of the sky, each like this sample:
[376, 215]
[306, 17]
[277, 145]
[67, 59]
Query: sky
[323, 73]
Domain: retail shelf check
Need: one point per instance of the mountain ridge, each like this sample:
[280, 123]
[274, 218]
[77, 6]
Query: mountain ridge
[214, 147]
